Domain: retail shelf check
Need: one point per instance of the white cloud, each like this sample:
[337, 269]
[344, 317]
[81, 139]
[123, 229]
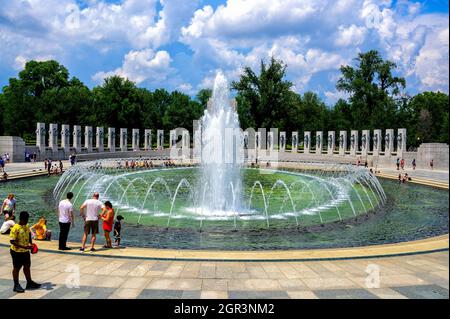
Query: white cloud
[316, 36]
[352, 35]
[431, 65]
[312, 37]
[140, 66]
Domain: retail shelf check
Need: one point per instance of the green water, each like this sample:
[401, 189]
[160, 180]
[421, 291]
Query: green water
[285, 203]
[412, 212]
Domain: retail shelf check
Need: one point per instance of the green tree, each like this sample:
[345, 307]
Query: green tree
[181, 112]
[340, 116]
[117, 103]
[428, 117]
[29, 98]
[265, 97]
[374, 91]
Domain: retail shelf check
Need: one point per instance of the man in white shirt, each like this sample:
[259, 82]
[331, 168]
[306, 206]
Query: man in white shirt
[65, 218]
[93, 209]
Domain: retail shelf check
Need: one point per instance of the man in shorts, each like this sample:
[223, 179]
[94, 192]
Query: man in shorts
[93, 208]
[21, 244]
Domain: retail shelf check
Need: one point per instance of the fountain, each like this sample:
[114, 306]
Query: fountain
[220, 167]
[222, 191]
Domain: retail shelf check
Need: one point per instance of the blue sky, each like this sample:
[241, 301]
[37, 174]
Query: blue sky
[180, 45]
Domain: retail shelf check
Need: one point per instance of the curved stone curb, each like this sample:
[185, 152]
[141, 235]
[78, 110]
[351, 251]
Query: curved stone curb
[429, 245]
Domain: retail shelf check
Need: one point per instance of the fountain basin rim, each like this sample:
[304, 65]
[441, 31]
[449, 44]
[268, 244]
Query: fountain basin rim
[422, 246]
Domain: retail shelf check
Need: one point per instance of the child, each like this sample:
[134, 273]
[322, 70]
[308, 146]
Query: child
[117, 228]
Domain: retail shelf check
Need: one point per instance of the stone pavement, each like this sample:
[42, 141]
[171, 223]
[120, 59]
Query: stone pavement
[28, 167]
[423, 276]
[434, 175]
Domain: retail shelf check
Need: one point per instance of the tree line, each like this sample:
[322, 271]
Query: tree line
[45, 92]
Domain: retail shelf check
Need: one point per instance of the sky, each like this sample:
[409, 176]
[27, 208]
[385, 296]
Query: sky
[180, 44]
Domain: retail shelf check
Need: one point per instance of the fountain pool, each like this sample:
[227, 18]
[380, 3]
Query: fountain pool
[410, 212]
[178, 197]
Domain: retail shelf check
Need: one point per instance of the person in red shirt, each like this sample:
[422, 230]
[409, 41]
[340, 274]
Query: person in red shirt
[108, 221]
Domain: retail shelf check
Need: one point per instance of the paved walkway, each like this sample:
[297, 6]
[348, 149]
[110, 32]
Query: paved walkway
[87, 276]
[435, 175]
[29, 167]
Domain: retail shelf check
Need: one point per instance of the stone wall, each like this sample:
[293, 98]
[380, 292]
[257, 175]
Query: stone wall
[13, 145]
[438, 152]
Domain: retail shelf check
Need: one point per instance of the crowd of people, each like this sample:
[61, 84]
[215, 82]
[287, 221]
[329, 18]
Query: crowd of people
[136, 164]
[21, 239]
[53, 168]
[30, 158]
[400, 163]
[92, 211]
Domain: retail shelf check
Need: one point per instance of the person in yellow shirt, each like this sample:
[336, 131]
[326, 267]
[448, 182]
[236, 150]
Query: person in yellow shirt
[40, 230]
[21, 244]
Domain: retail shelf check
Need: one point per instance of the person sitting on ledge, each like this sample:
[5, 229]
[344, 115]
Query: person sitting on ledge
[7, 225]
[399, 178]
[40, 231]
[406, 178]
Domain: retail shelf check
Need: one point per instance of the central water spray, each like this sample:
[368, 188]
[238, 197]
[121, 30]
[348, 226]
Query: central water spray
[222, 153]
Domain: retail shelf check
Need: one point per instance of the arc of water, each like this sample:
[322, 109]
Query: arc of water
[349, 196]
[137, 179]
[116, 181]
[185, 182]
[130, 184]
[62, 181]
[333, 198]
[365, 191]
[82, 186]
[149, 189]
[373, 181]
[282, 183]
[313, 196]
[66, 182]
[357, 194]
[258, 183]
